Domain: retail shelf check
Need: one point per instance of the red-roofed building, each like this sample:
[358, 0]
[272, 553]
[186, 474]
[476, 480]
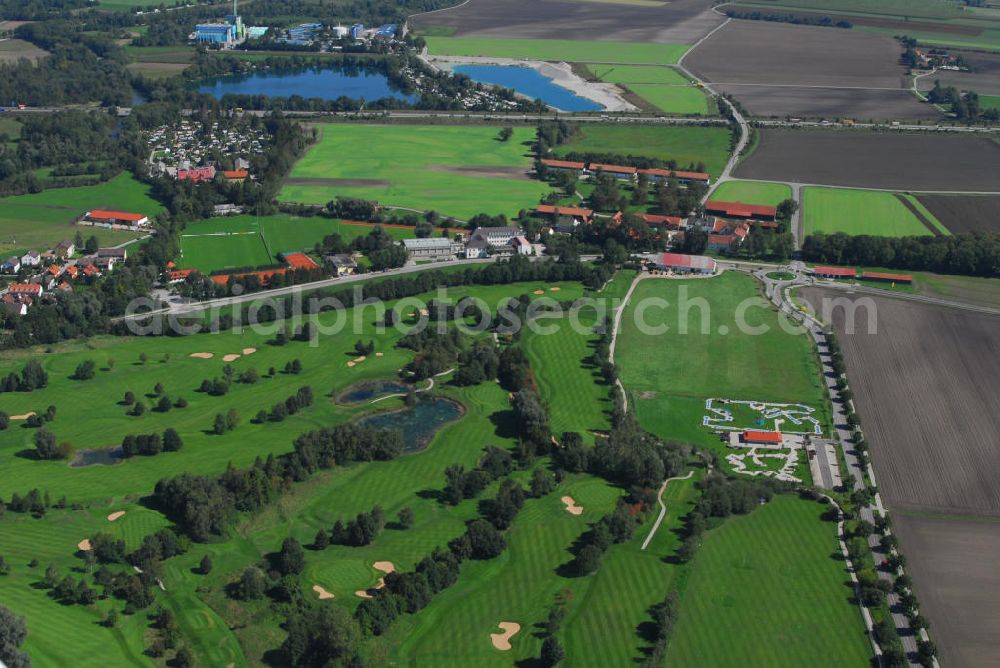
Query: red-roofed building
[618, 171]
[54, 270]
[72, 271]
[90, 271]
[835, 272]
[694, 264]
[117, 218]
[568, 165]
[238, 175]
[720, 242]
[740, 210]
[24, 290]
[299, 261]
[887, 278]
[657, 175]
[673, 222]
[264, 276]
[753, 437]
[178, 275]
[197, 174]
[556, 212]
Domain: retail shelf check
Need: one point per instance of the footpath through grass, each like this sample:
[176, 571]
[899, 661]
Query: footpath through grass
[669, 373]
[686, 145]
[770, 589]
[40, 221]
[579, 51]
[870, 212]
[456, 170]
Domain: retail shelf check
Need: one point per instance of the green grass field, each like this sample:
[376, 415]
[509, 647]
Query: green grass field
[990, 101]
[456, 170]
[638, 74]
[686, 145]
[769, 589]
[673, 99]
[558, 49]
[44, 219]
[862, 212]
[752, 192]
[670, 375]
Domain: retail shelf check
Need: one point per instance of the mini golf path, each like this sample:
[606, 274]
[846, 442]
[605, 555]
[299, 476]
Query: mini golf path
[663, 507]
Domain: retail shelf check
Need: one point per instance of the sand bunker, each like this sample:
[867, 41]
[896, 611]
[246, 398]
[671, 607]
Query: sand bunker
[555, 289]
[539, 292]
[249, 351]
[203, 356]
[230, 357]
[323, 594]
[384, 566]
[350, 364]
[84, 545]
[502, 640]
[358, 360]
[379, 354]
[116, 515]
[571, 506]
[22, 417]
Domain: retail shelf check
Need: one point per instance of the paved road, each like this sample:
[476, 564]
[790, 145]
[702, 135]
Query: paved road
[189, 308]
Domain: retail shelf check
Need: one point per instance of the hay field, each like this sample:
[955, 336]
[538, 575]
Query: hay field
[456, 170]
[876, 213]
[752, 192]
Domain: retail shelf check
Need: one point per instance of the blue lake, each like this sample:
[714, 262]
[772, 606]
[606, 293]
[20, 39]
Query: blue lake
[326, 84]
[418, 424]
[102, 456]
[531, 83]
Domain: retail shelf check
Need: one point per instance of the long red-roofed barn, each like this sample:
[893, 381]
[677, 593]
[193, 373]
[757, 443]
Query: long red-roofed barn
[835, 272]
[740, 210]
[886, 277]
[109, 217]
[692, 264]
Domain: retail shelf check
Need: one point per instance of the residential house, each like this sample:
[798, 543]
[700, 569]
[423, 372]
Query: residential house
[476, 249]
[497, 236]
[65, 249]
[31, 259]
[522, 246]
[196, 174]
[342, 263]
[116, 254]
[25, 290]
[11, 266]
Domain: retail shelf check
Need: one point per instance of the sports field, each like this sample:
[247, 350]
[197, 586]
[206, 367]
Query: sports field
[686, 145]
[40, 221]
[752, 192]
[456, 170]
[770, 589]
[242, 241]
[579, 51]
[870, 212]
[670, 374]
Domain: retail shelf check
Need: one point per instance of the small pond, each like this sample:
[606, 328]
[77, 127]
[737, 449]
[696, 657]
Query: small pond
[365, 391]
[103, 456]
[326, 84]
[418, 424]
[530, 83]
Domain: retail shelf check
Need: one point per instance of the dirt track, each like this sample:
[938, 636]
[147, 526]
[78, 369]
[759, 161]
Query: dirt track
[965, 213]
[859, 104]
[892, 160]
[518, 173]
[679, 21]
[953, 564]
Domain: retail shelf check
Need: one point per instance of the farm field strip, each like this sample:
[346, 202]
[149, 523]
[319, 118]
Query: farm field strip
[859, 212]
[557, 50]
[752, 192]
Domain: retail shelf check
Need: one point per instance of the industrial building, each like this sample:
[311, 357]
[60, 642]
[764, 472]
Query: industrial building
[436, 248]
[225, 35]
[835, 272]
[117, 218]
[740, 210]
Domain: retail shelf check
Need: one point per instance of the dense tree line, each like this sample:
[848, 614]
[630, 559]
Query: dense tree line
[614, 528]
[965, 105]
[32, 377]
[976, 254]
[205, 506]
[461, 484]
[13, 631]
[797, 19]
[359, 531]
[151, 444]
[664, 619]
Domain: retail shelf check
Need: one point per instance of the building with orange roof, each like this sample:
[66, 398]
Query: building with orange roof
[237, 175]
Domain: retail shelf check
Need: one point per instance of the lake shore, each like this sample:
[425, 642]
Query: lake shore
[607, 95]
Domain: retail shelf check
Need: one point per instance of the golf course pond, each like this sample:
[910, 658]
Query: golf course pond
[531, 84]
[102, 456]
[419, 423]
[368, 390]
[322, 83]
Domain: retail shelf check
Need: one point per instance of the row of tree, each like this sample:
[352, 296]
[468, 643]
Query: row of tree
[976, 254]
